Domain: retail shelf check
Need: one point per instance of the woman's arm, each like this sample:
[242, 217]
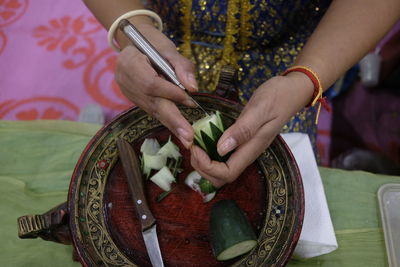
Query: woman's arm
[348, 30]
[137, 79]
[107, 12]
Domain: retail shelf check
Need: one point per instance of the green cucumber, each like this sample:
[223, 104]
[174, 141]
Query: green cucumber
[210, 146]
[206, 186]
[207, 131]
[231, 233]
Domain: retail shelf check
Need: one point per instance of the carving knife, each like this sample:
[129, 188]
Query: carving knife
[131, 165]
[158, 62]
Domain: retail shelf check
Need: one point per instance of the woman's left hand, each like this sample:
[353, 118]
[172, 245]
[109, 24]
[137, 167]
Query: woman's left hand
[263, 117]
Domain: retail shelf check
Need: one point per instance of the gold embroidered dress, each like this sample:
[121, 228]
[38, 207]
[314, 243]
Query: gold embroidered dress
[260, 38]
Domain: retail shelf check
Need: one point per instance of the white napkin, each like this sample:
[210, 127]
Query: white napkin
[317, 236]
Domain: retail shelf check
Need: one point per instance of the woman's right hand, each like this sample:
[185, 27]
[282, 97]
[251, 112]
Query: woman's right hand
[142, 85]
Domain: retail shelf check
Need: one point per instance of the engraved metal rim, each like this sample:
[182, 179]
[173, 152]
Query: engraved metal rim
[93, 242]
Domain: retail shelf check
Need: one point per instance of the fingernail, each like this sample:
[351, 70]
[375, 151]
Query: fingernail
[184, 137]
[192, 80]
[189, 102]
[228, 145]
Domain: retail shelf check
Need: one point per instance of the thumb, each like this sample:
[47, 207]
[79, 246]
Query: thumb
[240, 132]
[184, 69]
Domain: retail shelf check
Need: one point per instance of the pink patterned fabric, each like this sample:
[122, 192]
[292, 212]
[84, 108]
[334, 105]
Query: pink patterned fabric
[54, 60]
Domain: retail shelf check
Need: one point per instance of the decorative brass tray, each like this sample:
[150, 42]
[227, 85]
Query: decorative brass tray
[102, 219]
[99, 202]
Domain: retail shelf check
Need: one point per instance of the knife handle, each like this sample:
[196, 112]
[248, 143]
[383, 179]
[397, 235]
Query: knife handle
[131, 165]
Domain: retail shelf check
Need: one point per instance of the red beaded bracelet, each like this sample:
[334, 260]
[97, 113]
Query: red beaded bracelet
[317, 94]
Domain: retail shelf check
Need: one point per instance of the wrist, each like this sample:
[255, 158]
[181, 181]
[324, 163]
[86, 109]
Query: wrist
[140, 22]
[301, 88]
[317, 97]
[137, 17]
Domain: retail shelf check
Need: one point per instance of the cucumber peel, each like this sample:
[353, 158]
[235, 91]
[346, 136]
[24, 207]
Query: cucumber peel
[206, 186]
[201, 186]
[231, 233]
[165, 159]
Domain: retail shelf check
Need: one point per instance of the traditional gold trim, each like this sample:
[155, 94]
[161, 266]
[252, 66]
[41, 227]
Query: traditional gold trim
[245, 27]
[186, 10]
[229, 55]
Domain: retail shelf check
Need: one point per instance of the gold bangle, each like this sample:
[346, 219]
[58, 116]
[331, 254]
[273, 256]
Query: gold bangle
[127, 15]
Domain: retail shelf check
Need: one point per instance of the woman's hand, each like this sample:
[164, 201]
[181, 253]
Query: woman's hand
[268, 110]
[141, 84]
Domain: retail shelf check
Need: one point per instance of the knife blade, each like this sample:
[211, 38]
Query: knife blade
[160, 64]
[131, 165]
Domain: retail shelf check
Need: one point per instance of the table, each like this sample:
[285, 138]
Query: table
[37, 159]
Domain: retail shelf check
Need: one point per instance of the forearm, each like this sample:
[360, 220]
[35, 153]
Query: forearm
[107, 12]
[348, 30]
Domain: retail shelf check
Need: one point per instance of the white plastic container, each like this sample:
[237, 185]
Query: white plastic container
[389, 202]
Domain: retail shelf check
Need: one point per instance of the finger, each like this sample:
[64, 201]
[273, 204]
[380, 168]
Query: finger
[203, 164]
[221, 173]
[170, 116]
[184, 69]
[134, 72]
[248, 152]
[248, 123]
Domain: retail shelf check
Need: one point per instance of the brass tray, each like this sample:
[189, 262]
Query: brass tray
[102, 220]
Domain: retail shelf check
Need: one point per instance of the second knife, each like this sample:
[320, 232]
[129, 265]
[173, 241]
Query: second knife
[131, 165]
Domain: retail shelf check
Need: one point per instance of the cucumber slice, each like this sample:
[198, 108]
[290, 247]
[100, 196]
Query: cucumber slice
[155, 162]
[230, 231]
[150, 160]
[201, 186]
[192, 180]
[163, 178]
[170, 150]
[155, 157]
[209, 197]
[150, 146]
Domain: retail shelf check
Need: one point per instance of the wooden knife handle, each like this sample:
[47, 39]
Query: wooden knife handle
[131, 165]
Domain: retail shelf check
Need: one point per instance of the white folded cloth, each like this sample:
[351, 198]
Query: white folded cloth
[317, 236]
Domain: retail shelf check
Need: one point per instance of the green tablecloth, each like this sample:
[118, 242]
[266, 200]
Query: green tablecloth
[37, 159]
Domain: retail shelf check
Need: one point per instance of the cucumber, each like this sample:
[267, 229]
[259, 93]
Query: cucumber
[231, 233]
[207, 131]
